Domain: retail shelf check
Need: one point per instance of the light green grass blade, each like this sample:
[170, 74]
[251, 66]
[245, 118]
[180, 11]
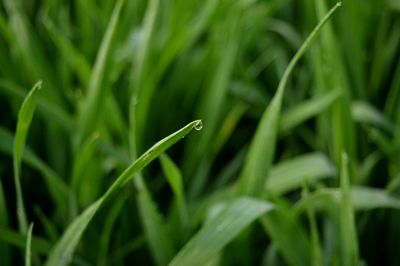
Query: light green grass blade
[305, 110]
[262, 148]
[289, 175]
[28, 246]
[218, 232]
[363, 112]
[348, 233]
[175, 180]
[316, 252]
[39, 245]
[25, 116]
[289, 237]
[96, 94]
[157, 237]
[63, 250]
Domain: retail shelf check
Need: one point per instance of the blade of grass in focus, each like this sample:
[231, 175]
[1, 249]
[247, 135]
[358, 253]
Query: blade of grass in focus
[63, 250]
[262, 148]
[28, 246]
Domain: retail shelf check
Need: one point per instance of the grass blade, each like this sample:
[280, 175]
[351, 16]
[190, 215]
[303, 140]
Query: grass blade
[288, 236]
[25, 116]
[174, 178]
[157, 237]
[96, 94]
[219, 231]
[39, 245]
[28, 246]
[63, 250]
[289, 175]
[348, 233]
[306, 110]
[262, 148]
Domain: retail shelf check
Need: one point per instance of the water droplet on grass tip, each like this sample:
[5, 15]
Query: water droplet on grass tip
[198, 126]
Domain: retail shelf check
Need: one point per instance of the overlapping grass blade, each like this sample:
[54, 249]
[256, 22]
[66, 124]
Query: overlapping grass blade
[348, 233]
[306, 110]
[175, 180]
[219, 231]
[157, 236]
[39, 245]
[28, 246]
[25, 116]
[97, 90]
[288, 236]
[288, 175]
[63, 250]
[262, 148]
[363, 112]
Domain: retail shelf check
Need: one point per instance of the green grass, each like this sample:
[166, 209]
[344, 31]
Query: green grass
[292, 157]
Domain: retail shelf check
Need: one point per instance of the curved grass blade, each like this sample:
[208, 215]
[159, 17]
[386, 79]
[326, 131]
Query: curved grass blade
[63, 250]
[262, 147]
[28, 246]
[306, 110]
[289, 175]
[24, 120]
[219, 231]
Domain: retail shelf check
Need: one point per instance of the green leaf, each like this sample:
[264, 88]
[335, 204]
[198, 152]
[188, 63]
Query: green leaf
[39, 245]
[262, 147]
[348, 233]
[63, 250]
[157, 237]
[219, 231]
[174, 178]
[305, 110]
[25, 116]
[365, 113]
[28, 246]
[96, 94]
[289, 175]
[288, 236]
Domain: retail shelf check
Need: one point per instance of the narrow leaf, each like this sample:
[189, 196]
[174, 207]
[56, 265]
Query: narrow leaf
[28, 246]
[348, 233]
[24, 120]
[262, 147]
[218, 232]
[63, 250]
[289, 175]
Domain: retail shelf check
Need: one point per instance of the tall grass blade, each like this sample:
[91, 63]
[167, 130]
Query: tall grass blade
[39, 245]
[175, 180]
[157, 236]
[262, 148]
[28, 246]
[25, 116]
[348, 233]
[219, 231]
[62, 252]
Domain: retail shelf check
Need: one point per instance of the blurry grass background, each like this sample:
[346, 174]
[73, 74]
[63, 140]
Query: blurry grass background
[308, 174]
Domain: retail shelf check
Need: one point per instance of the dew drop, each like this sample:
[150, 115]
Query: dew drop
[199, 125]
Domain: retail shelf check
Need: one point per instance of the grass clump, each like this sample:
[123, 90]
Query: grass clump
[264, 180]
